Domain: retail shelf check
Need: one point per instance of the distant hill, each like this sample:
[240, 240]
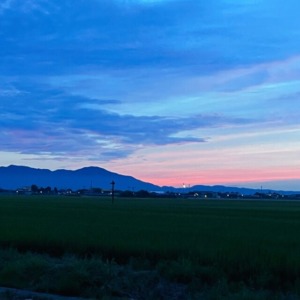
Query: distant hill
[13, 177]
[227, 189]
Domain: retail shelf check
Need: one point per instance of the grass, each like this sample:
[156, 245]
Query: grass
[232, 246]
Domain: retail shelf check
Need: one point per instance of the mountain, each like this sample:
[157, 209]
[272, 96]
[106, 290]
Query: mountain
[242, 190]
[226, 189]
[13, 177]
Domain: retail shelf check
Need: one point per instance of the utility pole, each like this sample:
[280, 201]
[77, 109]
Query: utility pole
[112, 192]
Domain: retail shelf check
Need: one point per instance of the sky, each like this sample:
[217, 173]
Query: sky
[171, 92]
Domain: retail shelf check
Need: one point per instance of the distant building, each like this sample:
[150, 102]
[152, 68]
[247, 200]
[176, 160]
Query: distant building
[24, 191]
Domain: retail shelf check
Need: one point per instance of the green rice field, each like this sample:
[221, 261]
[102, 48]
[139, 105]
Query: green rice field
[256, 243]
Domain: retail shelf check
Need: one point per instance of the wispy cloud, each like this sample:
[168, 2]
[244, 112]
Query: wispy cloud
[28, 6]
[60, 124]
[5, 4]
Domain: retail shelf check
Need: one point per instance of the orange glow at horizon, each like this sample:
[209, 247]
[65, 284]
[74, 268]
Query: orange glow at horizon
[215, 177]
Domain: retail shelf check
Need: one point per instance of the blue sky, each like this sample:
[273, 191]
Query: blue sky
[168, 91]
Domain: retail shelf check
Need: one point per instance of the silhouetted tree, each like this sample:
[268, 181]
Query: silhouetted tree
[34, 189]
[142, 194]
[47, 190]
[127, 193]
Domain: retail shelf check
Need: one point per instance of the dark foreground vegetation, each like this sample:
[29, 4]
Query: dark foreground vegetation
[151, 248]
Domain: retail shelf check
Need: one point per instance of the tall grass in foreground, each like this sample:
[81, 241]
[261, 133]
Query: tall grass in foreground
[254, 242]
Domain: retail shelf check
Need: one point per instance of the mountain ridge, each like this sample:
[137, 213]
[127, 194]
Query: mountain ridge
[13, 177]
